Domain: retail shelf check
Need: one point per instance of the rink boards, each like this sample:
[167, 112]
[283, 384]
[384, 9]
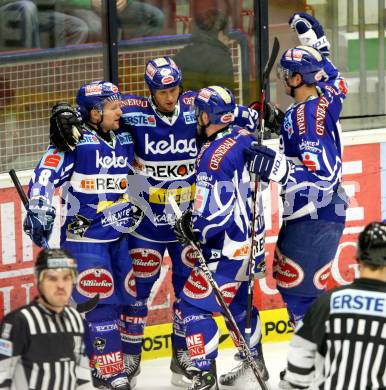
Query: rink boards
[364, 179]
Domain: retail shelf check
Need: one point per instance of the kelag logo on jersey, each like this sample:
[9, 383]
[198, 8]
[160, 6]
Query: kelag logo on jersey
[124, 138]
[189, 117]
[139, 119]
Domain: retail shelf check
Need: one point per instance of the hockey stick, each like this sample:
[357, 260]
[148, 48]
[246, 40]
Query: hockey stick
[252, 262]
[81, 307]
[235, 333]
[264, 84]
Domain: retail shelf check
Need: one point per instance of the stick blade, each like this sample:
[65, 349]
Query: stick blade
[272, 59]
[89, 305]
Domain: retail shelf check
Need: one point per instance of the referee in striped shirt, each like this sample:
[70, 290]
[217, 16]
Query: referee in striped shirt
[341, 343]
[41, 344]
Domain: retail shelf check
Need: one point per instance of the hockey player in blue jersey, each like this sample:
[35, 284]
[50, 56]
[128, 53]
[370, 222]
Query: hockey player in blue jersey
[221, 223]
[93, 180]
[314, 201]
[163, 127]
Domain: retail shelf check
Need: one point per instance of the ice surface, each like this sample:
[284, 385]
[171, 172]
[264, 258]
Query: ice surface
[155, 374]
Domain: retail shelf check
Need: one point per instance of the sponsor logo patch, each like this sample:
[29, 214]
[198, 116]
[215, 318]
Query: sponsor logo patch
[139, 119]
[219, 154]
[287, 273]
[161, 195]
[311, 161]
[200, 199]
[196, 345]
[196, 286]
[321, 276]
[321, 110]
[6, 347]
[189, 256]
[134, 102]
[130, 285]
[229, 291]
[112, 161]
[172, 146]
[52, 159]
[146, 262]
[124, 138]
[301, 119]
[189, 117]
[109, 364]
[95, 281]
[89, 139]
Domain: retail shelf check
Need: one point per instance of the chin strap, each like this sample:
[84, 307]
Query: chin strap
[293, 88]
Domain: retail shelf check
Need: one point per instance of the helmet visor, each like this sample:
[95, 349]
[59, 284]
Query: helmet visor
[283, 74]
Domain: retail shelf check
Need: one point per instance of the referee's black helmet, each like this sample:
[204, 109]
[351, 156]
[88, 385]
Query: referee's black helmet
[372, 244]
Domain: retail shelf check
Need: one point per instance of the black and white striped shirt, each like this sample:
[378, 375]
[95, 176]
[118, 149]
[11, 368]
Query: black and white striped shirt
[341, 344]
[43, 350]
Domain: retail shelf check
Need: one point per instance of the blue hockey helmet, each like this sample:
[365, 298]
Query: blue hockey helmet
[95, 95]
[162, 73]
[217, 102]
[305, 60]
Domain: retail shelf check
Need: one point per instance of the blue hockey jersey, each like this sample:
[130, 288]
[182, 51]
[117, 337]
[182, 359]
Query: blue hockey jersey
[94, 184]
[222, 211]
[165, 154]
[311, 139]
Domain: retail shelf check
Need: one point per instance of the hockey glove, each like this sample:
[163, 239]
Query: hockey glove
[273, 115]
[183, 229]
[65, 127]
[268, 164]
[310, 32]
[39, 221]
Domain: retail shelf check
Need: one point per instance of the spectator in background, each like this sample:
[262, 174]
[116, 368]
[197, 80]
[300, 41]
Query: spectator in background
[136, 18]
[63, 29]
[207, 59]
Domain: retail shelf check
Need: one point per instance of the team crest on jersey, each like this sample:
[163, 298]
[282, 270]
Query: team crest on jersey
[139, 119]
[124, 138]
[89, 139]
[189, 117]
[96, 281]
[78, 225]
[52, 159]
